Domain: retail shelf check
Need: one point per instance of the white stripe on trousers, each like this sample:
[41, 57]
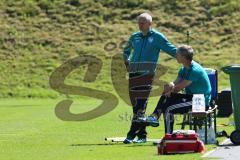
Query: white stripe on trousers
[172, 107]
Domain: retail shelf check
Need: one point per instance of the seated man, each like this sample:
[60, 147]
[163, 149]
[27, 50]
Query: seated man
[193, 78]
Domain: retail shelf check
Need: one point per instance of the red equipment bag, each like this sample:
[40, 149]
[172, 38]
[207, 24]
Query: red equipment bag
[180, 142]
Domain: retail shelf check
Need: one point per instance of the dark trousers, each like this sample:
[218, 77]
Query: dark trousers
[139, 89]
[176, 103]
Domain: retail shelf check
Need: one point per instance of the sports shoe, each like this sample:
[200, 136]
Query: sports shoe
[140, 140]
[128, 141]
[150, 120]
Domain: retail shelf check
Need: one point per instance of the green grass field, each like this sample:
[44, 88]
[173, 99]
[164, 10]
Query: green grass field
[38, 36]
[30, 130]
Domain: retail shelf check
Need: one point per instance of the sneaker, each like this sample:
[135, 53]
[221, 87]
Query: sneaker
[128, 141]
[140, 140]
[150, 120]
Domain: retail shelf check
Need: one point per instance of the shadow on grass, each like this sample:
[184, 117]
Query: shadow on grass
[140, 145]
[97, 144]
[112, 144]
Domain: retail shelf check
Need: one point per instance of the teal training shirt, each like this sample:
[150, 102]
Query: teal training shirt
[200, 81]
[146, 49]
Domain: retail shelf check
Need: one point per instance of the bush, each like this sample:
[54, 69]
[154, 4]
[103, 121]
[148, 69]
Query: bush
[23, 8]
[73, 2]
[226, 9]
[122, 3]
[45, 5]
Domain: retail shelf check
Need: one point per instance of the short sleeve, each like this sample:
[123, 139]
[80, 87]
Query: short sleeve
[180, 72]
[194, 75]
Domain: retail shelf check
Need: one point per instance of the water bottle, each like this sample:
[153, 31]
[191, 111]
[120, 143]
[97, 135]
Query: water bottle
[211, 133]
[201, 133]
[198, 103]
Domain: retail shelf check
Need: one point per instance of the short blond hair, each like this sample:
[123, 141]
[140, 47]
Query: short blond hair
[146, 16]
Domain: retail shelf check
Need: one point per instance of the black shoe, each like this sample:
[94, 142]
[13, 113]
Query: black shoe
[128, 141]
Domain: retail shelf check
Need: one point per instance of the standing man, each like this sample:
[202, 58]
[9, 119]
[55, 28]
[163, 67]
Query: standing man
[140, 57]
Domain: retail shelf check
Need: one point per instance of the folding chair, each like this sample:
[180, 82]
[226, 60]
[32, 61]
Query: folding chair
[200, 118]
